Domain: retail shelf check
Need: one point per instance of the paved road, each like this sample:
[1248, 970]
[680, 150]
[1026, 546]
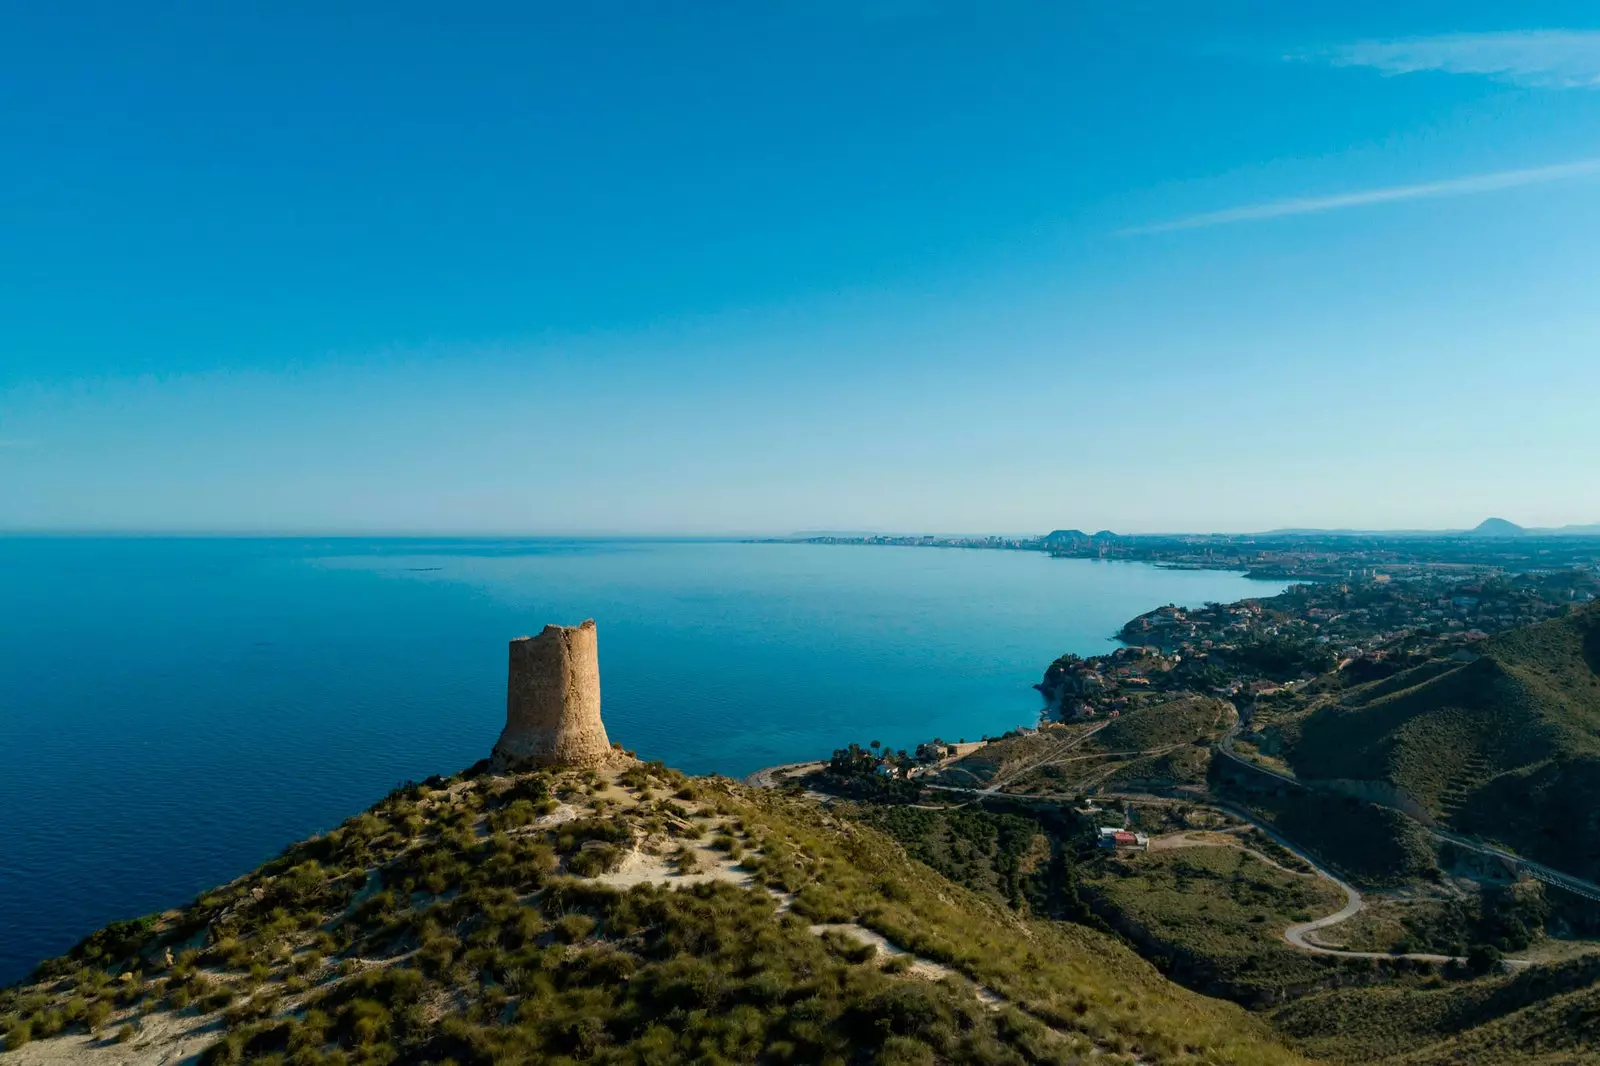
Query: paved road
[1294, 934]
[1354, 903]
[1578, 886]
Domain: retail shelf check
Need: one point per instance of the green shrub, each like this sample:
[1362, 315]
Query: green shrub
[595, 859]
[1482, 958]
[848, 947]
[18, 1034]
[574, 927]
[96, 1014]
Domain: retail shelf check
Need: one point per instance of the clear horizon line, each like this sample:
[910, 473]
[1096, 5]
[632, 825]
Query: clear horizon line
[223, 534]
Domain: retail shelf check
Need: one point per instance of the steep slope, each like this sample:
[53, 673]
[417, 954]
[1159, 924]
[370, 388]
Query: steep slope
[1507, 746]
[619, 916]
[1545, 1015]
[1178, 721]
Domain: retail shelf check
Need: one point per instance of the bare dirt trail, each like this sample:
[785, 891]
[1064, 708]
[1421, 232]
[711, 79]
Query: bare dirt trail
[1295, 935]
[1008, 773]
[641, 867]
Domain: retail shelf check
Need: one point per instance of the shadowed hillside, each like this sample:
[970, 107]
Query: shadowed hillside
[1507, 746]
[1545, 1015]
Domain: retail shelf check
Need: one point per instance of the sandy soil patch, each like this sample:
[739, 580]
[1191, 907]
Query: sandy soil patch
[164, 1039]
[561, 815]
[641, 867]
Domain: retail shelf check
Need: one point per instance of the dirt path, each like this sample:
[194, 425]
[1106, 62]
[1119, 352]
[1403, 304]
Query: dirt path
[1008, 773]
[1219, 838]
[773, 776]
[1549, 875]
[163, 1039]
[1295, 935]
[640, 867]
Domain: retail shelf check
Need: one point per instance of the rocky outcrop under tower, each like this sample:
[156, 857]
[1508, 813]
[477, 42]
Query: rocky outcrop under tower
[553, 702]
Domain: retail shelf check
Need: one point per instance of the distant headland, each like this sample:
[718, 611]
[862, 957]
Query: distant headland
[1285, 554]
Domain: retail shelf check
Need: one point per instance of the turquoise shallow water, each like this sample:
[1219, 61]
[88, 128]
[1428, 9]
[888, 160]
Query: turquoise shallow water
[173, 712]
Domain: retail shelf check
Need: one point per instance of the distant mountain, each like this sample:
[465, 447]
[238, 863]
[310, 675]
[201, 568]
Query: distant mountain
[1493, 527]
[1497, 527]
[1059, 537]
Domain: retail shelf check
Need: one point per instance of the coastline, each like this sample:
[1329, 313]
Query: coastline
[914, 646]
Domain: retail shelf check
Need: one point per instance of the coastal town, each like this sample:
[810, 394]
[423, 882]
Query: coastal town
[1495, 545]
[1363, 607]
[1371, 627]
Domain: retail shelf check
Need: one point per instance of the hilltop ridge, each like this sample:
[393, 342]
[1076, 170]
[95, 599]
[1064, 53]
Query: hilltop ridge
[612, 915]
[1506, 745]
[562, 902]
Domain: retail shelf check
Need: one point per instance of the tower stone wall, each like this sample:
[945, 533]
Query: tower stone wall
[553, 701]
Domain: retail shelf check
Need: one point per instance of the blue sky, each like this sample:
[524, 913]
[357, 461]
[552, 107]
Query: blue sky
[747, 267]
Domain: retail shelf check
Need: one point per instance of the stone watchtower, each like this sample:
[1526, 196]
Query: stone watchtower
[553, 702]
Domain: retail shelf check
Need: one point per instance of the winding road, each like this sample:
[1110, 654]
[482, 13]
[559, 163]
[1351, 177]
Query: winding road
[1538, 871]
[1295, 935]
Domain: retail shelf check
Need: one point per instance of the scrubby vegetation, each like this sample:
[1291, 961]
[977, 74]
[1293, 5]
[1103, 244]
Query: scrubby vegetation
[1507, 746]
[461, 920]
[1506, 917]
[1544, 1015]
[1180, 721]
[1026, 858]
[1213, 917]
[1373, 846]
[1159, 744]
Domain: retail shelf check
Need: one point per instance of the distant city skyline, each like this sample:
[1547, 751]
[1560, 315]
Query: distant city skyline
[759, 269]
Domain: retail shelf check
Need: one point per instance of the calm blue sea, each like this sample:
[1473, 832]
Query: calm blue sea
[175, 711]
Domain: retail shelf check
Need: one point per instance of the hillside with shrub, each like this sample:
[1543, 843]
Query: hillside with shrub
[1210, 917]
[1372, 846]
[1545, 1015]
[1179, 721]
[1506, 746]
[615, 917]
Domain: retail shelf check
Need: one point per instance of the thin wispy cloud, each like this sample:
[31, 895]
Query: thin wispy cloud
[1311, 205]
[1546, 59]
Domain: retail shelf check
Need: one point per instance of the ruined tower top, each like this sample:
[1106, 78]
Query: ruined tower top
[553, 701]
